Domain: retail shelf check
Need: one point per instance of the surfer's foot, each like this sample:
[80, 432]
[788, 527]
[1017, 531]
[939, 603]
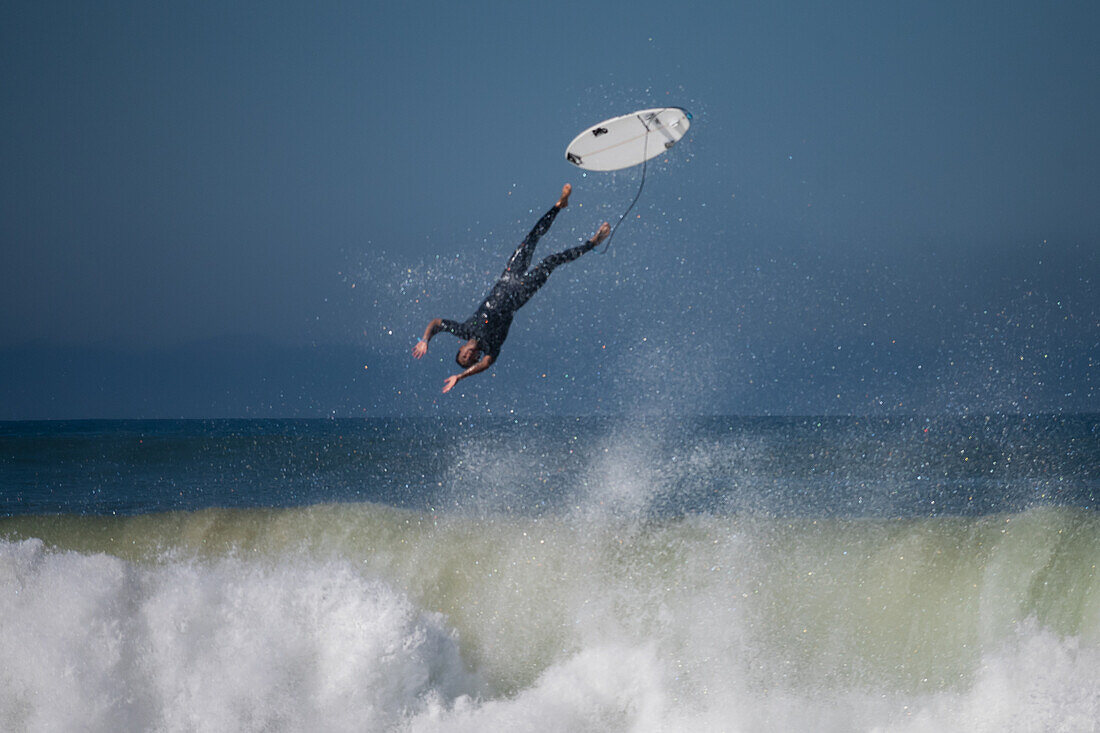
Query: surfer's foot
[564, 200]
[601, 233]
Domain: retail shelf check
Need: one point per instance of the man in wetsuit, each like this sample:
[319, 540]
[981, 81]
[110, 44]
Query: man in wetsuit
[485, 331]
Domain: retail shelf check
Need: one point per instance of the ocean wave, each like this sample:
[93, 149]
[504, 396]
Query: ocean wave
[93, 642]
[366, 617]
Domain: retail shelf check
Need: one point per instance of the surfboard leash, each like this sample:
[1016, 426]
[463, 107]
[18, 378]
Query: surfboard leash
[645, 164]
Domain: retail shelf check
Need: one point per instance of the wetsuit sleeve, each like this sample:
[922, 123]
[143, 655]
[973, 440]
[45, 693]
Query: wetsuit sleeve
[458, 329]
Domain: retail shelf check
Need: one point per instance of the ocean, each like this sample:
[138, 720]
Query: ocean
[595, 574]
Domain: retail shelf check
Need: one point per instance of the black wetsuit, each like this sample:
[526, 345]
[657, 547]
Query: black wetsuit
[490, 322]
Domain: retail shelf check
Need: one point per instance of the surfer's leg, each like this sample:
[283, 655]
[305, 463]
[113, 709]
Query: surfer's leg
[537, 276]
[521, 258]
[521, 290]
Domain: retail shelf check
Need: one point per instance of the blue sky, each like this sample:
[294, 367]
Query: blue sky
[879, 206]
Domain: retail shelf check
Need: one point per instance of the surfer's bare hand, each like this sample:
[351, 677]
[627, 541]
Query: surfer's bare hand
[420, 349]
[449, 383]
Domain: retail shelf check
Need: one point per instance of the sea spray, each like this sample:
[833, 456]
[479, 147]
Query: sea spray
[755, 574]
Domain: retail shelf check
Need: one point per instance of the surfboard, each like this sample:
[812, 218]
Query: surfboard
[629, 139]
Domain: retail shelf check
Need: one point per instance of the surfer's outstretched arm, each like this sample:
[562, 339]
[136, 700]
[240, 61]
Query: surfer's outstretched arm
[434, 327]
[485, 362]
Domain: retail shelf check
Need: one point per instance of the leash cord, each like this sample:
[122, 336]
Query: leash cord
[645, 164]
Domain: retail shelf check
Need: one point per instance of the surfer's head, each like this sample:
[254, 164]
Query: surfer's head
[468, 354]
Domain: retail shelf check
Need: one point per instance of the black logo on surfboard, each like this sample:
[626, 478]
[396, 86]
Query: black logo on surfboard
[599, 131]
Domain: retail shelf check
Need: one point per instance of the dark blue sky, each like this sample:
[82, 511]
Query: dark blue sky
[253, 208]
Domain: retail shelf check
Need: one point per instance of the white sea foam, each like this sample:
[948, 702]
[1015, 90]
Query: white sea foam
[368, 618]
[1040, 682]
[92, 642]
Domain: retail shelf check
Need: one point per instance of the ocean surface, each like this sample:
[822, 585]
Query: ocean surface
[719, 574]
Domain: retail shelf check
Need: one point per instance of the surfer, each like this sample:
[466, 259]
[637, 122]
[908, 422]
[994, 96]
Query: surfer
[485, 331]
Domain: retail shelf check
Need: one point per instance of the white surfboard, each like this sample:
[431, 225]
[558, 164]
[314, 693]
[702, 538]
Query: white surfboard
[628, 140]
